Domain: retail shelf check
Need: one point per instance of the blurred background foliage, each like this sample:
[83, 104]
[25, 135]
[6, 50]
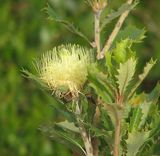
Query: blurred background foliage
[25, 32]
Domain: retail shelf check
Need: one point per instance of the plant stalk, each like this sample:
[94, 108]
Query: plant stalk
[117, 138]
[114, 32]
[85, 136]
[97, 15]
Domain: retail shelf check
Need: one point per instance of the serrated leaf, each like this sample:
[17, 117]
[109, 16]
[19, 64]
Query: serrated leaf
[120, 51]
[68, 125]
[135, 141]
[135, 119]
[125, 74]
[141, 77]
[134, 34]
[124, 7]
[155, 125]
[151, 99]
[100, 87]
[67, 24]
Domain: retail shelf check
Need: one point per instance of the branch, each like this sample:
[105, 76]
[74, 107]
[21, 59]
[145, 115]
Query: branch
[117, 138]
[114, 32]
[97, 31]
[85, 137]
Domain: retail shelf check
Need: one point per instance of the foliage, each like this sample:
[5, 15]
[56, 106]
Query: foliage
[114, 94]
[25, 34]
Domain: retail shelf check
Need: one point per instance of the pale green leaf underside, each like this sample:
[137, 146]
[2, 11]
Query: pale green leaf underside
[135, 141]
[68, 125]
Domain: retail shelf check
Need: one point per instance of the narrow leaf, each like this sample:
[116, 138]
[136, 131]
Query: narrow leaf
[63, 138]
[67, 24]
[31, 76]
[135, 119]
[142, 76]
[68, 125]
[124, 7]
[100, 88]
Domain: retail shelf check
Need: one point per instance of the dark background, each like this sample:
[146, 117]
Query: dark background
[25, 32]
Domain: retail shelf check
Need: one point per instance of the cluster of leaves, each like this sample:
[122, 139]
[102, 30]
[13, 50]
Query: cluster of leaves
[117, 81]
[139, 113]
[113, 83]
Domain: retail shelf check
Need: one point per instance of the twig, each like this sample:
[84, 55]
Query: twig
[114, 32]
[86, 140]
[85, 137]
[117, 138]
[97, 15]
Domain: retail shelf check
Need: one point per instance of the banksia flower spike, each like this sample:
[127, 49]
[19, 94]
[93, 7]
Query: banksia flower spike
[64, 68]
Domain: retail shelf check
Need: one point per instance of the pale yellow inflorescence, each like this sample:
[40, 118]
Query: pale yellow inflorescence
[65, 67]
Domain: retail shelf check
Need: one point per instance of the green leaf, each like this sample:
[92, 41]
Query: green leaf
[67, 24]
[63, 138]
[107, 135]
[141, 77]
[113, 112]
[91, 109]
[100, 87]
[63, 111]
[89, 2]
[141, 112]
[135, 119]
[135, 141]
[154, 95]
[31, 76]
[120, 51]
[68, 125]
[106, 117]
[109, 64]
[132, 33]
[124, 7]
[155, 125]
[151, 100]
[125, 74]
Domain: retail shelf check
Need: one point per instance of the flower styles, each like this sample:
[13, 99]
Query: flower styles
[65, 68]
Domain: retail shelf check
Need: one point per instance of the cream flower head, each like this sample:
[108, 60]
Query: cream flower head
[65, 67]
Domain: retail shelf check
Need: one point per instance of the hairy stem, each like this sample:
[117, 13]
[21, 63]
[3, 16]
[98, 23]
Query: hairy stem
[97, 15]
[114, 32]
[85, 136]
